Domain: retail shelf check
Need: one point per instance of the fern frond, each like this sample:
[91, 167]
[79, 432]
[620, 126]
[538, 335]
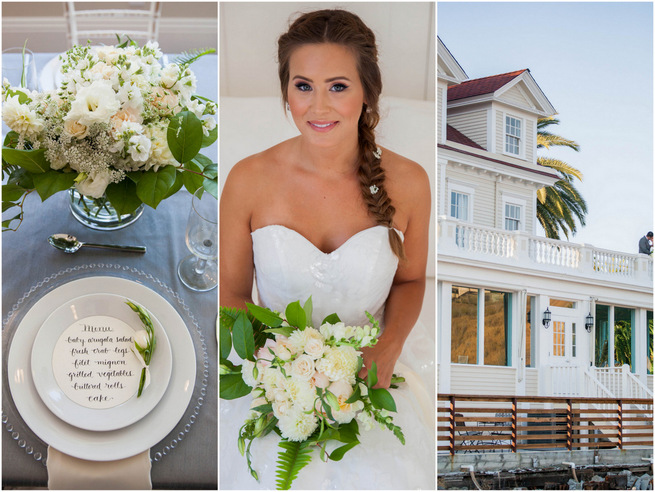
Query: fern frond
[188, 57]
[293, 457]
[227, 316]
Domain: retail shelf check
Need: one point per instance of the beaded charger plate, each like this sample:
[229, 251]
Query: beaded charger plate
[32, 425]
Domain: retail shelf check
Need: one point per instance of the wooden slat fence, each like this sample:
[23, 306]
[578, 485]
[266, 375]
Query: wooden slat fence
[468, 423]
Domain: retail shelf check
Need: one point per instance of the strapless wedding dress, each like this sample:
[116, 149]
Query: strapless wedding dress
[354, 278]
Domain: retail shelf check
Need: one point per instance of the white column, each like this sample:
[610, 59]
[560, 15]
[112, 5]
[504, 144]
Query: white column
[518, 341]
[610, 345]
[444, 313]
[641, 348]
[480, 354]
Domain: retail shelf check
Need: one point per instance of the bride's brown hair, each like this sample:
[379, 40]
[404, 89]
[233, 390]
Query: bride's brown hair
[346, 29]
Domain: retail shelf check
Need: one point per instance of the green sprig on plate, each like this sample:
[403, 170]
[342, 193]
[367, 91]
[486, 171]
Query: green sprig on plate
[147, 351]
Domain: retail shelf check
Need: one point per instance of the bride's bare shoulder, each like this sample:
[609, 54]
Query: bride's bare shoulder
[260, 168]
[404, 177]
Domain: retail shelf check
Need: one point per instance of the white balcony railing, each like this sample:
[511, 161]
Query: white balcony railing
[470, 241]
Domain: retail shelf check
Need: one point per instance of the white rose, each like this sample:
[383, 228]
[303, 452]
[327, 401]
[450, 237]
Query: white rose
[169, 74]
[94, 186]
[315, 348]
[281, 408]
[96, 103]
[75, 129]
[247, 373]
[303, 367]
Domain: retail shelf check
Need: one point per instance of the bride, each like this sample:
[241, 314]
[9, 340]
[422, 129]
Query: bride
[330, 214]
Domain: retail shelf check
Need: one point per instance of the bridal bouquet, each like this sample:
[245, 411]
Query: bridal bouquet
[120, 127]
[304, 383]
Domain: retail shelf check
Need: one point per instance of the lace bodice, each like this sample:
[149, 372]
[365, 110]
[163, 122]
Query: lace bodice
[354, 278]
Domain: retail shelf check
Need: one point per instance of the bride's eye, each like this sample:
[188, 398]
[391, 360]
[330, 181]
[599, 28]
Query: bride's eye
[303, 86]
[338, 87]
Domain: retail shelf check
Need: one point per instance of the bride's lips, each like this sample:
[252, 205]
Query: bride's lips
[322, 126]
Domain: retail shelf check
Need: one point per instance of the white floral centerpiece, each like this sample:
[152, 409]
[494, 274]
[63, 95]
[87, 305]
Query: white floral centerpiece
[304, 383]
[121, 127]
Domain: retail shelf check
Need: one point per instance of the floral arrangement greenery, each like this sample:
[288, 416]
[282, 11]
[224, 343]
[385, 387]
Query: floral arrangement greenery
[144, 344]
[304, 383]
[120, 127]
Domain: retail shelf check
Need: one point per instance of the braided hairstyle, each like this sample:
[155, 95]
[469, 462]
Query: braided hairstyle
[346, 29]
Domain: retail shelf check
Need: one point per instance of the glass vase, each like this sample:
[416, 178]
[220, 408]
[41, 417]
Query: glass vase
[98, 213]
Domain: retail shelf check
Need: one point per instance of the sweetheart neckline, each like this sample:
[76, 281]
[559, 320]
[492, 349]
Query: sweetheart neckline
[316, 247]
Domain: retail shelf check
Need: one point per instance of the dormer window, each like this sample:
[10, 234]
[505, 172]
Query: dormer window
[512, 135]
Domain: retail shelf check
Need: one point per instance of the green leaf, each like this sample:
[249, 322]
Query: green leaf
[191, 180]
[123, 196]
[11, 193]
[295, 315]
[293, 458]
[184, 136]
[211, 187]
[338, 453]
[51, 182]
[265, 315]
[333, 319]
[232, 387]
[268, 408]
[11, 139]
[372, 377]
[332, 400]
[153, 186]
[357, 394]
[225, 338]
[381, 398]
[33, 161]
[308, 308]
[22, 178]
[211, 169]
[348, 432]
[207, 140]
[242, 337]
[177, 186]
[283, 330]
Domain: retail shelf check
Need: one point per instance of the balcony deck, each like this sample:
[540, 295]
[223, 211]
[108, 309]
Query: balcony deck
[462, 242]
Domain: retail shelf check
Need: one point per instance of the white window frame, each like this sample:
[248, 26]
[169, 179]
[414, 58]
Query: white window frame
[464, 190]
[521, 203]
[521, 137]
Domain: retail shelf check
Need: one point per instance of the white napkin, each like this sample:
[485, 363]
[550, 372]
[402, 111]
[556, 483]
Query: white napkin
[68, 473]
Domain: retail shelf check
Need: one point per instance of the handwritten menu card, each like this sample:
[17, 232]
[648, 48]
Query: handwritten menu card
[93, 362]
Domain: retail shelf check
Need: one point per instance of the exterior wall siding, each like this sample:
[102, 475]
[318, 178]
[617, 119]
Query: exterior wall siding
[514, 96]
[483, 201]
[441, 94]
[531, 382]
[473, 125]
[482, 380]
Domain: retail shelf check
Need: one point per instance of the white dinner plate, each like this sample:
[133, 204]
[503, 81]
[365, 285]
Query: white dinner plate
[57, 399]
[51, 76]
[119, 443]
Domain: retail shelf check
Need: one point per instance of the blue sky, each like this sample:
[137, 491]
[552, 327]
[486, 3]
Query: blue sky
[594, 62]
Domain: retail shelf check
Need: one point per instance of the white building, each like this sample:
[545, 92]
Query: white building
[498, 280]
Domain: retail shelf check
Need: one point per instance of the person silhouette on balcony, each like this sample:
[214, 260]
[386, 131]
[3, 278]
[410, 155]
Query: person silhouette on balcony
[646, 244]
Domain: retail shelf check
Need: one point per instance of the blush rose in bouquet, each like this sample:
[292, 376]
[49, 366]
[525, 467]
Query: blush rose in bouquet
[304, 383]
[121, 127]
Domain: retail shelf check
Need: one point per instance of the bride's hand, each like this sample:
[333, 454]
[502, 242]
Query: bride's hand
[385, 356]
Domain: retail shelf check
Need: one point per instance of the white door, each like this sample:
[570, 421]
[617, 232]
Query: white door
[564, 357]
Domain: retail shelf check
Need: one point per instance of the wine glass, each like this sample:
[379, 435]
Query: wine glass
[19, 68]
[199, 271]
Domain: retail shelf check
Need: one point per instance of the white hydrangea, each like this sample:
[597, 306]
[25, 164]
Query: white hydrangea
[300, 392]
[339, 363]
[297, 425]
[299, 338]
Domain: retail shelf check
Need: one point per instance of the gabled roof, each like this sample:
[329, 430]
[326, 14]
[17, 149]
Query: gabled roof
[498, 88]
[455, 135]
[485, 85]
[448, 68]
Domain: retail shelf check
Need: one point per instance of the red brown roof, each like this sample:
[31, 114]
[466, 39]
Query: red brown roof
[485, 85]
[455, 135]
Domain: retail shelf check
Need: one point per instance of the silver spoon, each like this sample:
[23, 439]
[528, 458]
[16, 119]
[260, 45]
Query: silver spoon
[70, 244]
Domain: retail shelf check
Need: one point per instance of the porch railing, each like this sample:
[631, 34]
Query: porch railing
[466, 240]
[621, 382]
[471, 423]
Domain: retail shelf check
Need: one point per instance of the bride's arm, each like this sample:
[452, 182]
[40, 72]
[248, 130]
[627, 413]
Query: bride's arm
[405, 299]
[236, 262]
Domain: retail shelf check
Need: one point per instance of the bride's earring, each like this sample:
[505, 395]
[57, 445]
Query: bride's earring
[288, 107]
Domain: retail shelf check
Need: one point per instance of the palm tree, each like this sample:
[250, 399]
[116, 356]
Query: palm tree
[559, 206]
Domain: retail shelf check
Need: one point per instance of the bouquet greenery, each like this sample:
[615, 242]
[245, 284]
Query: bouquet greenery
[121, 127]
[304, 383]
